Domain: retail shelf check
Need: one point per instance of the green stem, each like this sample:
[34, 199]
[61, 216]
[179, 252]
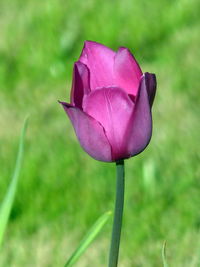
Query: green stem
[117, 223]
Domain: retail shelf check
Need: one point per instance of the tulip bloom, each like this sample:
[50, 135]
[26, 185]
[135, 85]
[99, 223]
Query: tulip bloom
[111, 101]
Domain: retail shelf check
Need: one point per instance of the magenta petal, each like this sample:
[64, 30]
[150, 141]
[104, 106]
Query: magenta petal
[140, 128]
[127, 72]
[80, 84]
[151, 86]
[113, 108]
[99, 59]
[90, 133]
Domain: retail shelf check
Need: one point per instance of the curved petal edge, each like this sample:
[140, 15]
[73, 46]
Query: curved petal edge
[141, 130]
[80, 84]
[100, 60]
[127, 72]
[89, 133]
[151, 84]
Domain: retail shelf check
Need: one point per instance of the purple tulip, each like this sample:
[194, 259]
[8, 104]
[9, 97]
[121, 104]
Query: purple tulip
[111, 103]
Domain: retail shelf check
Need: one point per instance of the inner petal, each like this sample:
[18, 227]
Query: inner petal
[112, 107]
[80, 84]
[127, 72]
[99, 59]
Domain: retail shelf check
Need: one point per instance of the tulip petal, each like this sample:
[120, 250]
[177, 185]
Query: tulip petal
[80, 84]
[140, 127]
[127, 72]
[90, 133]
[151, 86]
[113, 108]
[99, 59]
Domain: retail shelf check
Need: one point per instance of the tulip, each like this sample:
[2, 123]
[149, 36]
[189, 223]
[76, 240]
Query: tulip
[110, 110]
[111, 100]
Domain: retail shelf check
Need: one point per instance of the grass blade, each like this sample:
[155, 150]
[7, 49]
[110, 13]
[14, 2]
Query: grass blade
[164, 255]
[8, 200]
[87, 240]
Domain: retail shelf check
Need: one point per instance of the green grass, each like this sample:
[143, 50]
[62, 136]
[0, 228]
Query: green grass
[62, 191]
[8, 200]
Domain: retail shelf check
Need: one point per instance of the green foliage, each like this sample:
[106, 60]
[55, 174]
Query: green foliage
[88, 239]
[8, 200]
[164, 255]
[62, 190]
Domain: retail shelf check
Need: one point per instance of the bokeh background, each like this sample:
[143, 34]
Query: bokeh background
[62, 191]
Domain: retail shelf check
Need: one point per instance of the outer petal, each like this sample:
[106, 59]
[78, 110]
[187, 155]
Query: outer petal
[127, 72]
[113, 108]
[99, 59]
[151, 86]
[140, 127]
[80, 84]
[90, 133]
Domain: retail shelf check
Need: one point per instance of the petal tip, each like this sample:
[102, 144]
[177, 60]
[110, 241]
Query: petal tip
[62, 102]
[65, 105]
[89, 44]
[123, 48]
[151, 84]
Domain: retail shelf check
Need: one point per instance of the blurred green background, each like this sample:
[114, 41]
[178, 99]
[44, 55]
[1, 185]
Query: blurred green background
[62, 191]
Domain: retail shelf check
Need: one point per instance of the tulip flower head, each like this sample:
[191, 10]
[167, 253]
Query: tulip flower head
[111, 101]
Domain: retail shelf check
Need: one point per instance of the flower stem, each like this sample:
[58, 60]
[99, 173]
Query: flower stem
[117, 223]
